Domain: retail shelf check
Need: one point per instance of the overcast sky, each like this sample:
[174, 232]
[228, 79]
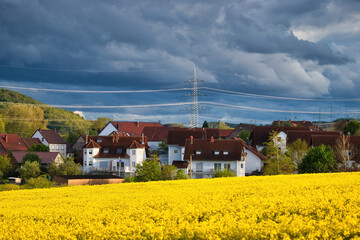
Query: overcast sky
[301, 48]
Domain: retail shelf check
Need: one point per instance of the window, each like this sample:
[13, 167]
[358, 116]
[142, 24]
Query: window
[133, 152]
[227, 166]
[216, 152]
[42, 139]
[99, 140]
[199, 167]
[226, 153]
[217, 166]
[90, 151]
[241, 165]
[119, 150]
[106, 150]
[175, 151]
[103, 165]
[90, 163]
[52, 147]
[62, 147]
[134, 164]
[198, 152]
[57, 147]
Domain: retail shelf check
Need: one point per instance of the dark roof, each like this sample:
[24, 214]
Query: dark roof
[208, 147]
[297, 124]
[51, 136]
[157, 133]
[293, 135]
[133, 128]
[11, 142]
[87, 176]
[223, 133]
[180, 164]
[47, 157]
[31, 141]
[261, 134]
[241, 127]
[179, 136]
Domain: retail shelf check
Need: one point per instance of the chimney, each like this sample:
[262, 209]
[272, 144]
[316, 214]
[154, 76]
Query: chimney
[212, 139]
[142, 138]
[86, 138]
[191, 139]
[113, 137]
[6, 138]
[138, 124]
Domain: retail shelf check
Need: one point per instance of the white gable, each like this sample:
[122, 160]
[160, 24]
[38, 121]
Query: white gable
[107, 130]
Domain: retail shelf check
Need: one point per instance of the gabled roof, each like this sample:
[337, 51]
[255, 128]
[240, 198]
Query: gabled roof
[223, 133]
[133, 128]
[135, 144]
[92, 144]
[261, 134]
[47, 157]
[241, 127]
[307, 135]
[208, 148]
[180, 164]
[30, 141]
[11, 142]
[157, 133]
[179, 136]
[51, 136]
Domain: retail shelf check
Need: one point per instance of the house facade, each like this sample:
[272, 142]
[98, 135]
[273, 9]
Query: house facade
[113, 154]
[52, 139]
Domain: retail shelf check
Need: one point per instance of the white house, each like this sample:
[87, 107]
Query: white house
[205, 157]
[113, 154]
[127, 128]
[52, 139]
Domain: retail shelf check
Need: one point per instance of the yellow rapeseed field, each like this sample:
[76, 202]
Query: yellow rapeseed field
[323, 206]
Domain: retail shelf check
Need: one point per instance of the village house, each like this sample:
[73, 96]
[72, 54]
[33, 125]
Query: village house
[127, 128]
[113, 154]
[52, 139]
[11, 142]
[46, 157]
[210, 155]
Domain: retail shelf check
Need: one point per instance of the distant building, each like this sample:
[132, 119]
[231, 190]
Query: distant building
[52, 139]
[46, 157]
[127, 128]
[11, 142]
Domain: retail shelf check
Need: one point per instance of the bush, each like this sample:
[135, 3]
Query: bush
[39, 182]
[9, 187]
[31, 157]
[149, 170]
[39, 148]
[129, 179]
[168, 172]
[29, 170]
[319, 160]
[180, 174]
[224, 173]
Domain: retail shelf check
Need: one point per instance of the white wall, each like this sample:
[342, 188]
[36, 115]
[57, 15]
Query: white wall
[108, 130]
[39, 136]
[60, 148]
[175, 156]
[209, 168]
[253, 162]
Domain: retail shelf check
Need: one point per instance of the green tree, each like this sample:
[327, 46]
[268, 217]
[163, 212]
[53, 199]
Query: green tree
[2, 125]
[5, 165]
[38, 182]
[181, 174]
[224, 173]
[244, 135]
[29, 170]
[205, 124]
[99, 124]
[39, 148]
[163, 145]
[149, 170]
[23, 119]
[297, 151]
[277, 161]
[68, 167]
[319, 160]
[352, 127]
[31, 157]
[222, 125]
[168, 172]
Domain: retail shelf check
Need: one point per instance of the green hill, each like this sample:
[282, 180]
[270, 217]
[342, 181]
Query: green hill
[22, 115]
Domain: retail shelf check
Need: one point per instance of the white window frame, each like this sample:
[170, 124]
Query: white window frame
[216, 152]
[198, 152]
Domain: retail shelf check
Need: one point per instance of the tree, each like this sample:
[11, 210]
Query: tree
[149, 170]
[205, 124]
[68, 167]
[277, 161]
[2, 125]
[163, 145]
[298, 150]
[39, 182]
[181, 174]
[222, 125]
[224, 173]
[245, 135]
[99, 124]
[344, 151]
[23, 119]
[31, 157]
[168, 172]
[5, 165]
[29, 170]
[319, 160]
[39, 148]
[352, 127]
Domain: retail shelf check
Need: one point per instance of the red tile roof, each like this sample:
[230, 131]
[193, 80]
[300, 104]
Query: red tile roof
[31, 141]
[11, 142]
[223, 133]
[180, 164]
[47, 157]
[157, 133]
[179, 136]
[208, 147]
[51, 136]
[133, 128]
[92, 144]
[307, 135]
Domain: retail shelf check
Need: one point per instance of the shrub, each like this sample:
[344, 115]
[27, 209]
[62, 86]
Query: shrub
[129, 179]
[29, 170]
[180, 174]
[168, 172]
[224, 173]
[9, 187]
[39, 182]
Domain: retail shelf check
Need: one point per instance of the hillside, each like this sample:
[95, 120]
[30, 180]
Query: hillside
[15, 116]
[304, 206]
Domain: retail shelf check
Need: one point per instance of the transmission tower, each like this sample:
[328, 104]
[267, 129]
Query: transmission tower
[193, 97]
